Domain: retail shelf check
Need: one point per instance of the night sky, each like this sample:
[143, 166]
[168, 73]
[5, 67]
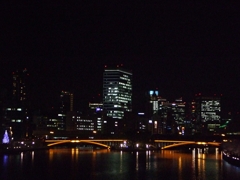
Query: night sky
[181, 49]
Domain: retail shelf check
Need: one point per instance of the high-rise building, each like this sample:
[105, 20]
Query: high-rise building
[154, 100]
[66, 105]
[19, 85]
[208, 113]
[15, 113]
[117, 92]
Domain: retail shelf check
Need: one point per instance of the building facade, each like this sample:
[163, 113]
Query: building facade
[15, 112]
[208, 117]
[65, 106]
[117, 92]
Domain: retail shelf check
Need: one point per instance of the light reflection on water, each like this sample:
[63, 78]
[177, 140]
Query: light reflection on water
[73, 163]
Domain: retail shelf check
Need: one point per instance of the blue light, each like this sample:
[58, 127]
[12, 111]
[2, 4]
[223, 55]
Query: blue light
[5, 139]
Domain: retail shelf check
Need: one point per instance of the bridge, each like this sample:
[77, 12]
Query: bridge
[117, 143]
[167, 144]
[106, 143]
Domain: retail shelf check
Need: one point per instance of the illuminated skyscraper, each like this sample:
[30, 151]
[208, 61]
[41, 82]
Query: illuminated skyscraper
[19, 85]
[16, 117]
[208, 113]
[117, 92]
[66, 105]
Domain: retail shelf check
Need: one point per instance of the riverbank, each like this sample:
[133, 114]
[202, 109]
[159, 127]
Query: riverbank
[231, 159]
[231, 152]
[22, 146]
[13, 151]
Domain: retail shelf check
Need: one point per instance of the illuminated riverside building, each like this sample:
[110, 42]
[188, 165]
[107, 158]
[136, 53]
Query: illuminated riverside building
[154, 98]
[15, 112]
[19, 85]
[208, 117]
[172, 115]
[165, 117]
[117, 92]
[96, 106]
[66, 105]
[84, 124]
[96, 112]
[179, 115]
[152, 109]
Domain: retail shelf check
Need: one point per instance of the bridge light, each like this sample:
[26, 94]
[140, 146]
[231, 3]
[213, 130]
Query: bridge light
[201, 143]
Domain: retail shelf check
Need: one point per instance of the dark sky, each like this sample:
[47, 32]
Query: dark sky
[181, 49]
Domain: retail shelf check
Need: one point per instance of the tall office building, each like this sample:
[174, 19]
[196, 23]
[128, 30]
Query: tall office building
[19, 85]
[208, 113]
[117, 92]
[15, 112]
[65, 106]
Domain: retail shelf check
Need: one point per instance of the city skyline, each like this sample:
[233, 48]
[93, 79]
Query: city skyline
[181, 50]
[83, 105]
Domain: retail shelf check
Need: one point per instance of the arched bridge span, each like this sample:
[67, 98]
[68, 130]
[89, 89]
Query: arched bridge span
[167, 144]
[107, 143]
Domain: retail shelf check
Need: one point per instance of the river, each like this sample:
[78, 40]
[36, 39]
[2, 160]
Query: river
[72, 163]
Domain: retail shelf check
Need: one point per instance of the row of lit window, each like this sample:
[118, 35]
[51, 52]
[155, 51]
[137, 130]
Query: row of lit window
[85, 129]
[119, 116]
[125, 84]
[116, 112]
[53, 120]
[85, 126]
[49, 125]
[124, 101]
[118, 97]
[14, 109]
[110, 91]
[125, 95]
[84, 120]
[113, 88]
[18, 120]
[112, 94]
[124, 98]
[123, 78]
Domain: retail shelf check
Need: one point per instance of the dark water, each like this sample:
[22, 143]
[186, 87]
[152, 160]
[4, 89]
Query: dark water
[103, 164]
